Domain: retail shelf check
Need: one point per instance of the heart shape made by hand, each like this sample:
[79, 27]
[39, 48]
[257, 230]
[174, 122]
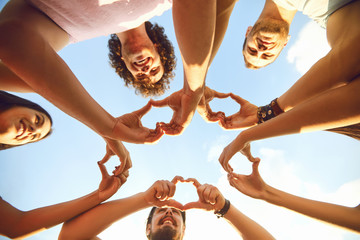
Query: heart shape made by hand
[209, 197]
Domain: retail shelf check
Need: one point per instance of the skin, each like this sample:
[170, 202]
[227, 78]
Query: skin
[21, 224]
[253, 186]
[200, 27]
[160, 194]
[167, 218]
[140, 55]
[34, 66]
[21, 125]
[269, 36]
[329, 102]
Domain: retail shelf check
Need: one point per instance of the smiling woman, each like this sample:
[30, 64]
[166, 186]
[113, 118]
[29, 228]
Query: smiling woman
[21, 121]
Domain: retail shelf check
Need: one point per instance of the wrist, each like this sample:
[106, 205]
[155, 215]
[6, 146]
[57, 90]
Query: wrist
[221, 213]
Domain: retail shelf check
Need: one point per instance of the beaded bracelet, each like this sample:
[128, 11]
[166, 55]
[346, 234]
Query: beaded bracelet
[224, 210]
[269, 111]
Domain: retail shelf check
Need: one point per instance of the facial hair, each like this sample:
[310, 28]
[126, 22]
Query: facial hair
[165, 233]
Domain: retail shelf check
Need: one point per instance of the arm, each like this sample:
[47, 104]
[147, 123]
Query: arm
[194, 24]
[335, 108]
[96, 220]
[211, 199]
[340, 66]
[254, 186]
[16, 223]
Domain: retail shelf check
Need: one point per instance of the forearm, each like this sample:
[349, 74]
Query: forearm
[37, 64]
[94, 221]
[340, 66]
[336, 108]
[24, 224]
[223, 13]
[339, 215]
[247, 228]
[194, 24]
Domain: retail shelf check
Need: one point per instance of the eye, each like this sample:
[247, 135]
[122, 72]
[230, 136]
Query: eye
[155, 70]
[37, 119]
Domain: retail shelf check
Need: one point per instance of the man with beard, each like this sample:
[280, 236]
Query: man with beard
[325, 98]
[264, 42]
[166, 220]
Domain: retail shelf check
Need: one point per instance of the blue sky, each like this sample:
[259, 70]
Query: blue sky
[320, 165]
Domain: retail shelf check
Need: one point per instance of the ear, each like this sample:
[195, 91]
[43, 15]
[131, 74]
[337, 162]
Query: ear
[148, 229]
[287, 40]
[248, 30]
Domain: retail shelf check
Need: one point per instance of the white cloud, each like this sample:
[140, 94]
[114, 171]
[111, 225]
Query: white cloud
[217, 147]
[309, 47]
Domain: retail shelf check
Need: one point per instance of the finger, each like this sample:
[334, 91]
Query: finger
[221, 95]
[206, 195]
[177, 179]
[173, 203]
[105, 158]
[122, 178]
[154, 136]
[238, 99]
[144, 110]
[200, 192]
[194, 181]
[172, 189]
[159, 103]
[174, 130]
[103, 170]
[223, 162]
[192, 205]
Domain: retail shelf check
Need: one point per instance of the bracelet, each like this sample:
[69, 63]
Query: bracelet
[224, 210]
[269, 111]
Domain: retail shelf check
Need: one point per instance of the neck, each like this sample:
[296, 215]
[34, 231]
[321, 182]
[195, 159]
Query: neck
[272, 10]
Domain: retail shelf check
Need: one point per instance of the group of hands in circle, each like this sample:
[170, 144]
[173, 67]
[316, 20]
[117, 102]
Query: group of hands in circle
[161, 193]
[130, 125]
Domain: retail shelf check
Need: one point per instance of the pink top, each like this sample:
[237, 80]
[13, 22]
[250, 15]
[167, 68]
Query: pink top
[85, 19]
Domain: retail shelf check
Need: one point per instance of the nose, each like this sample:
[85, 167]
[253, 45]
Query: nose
[145, 68]
[169, 212]
[262, 47]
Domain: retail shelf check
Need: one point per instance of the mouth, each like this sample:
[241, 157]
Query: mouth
[142, 62]
[168, 221]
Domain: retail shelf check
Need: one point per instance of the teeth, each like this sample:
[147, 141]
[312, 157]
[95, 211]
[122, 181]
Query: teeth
[168, 221]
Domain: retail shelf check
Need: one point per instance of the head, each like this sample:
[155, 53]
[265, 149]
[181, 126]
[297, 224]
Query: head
[21, 121]
[149, 76]
[165, 224]
[264, 42]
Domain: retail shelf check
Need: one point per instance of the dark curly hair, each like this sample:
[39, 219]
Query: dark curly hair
[167, 57]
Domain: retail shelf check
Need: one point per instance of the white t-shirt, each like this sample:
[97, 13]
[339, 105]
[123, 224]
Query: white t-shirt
[85, 19]
[318, 10]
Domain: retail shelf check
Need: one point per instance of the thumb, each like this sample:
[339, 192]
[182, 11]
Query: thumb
[193, 205]
[144, 110]
[159, 103]
[103, 170]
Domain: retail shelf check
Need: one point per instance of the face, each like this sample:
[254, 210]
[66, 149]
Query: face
[143, 61]
[166, 224]
[265, 41]
[20, 125]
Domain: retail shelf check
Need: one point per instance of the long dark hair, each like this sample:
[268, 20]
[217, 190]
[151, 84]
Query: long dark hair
[8, 101]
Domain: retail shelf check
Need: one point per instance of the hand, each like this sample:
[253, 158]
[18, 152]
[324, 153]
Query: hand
[245, 117]
[130, 129]
[210, 198]
[161, 192]
[251, 185]
[110, 184]
[238, 145]
[204, 108]
[116, 147]
[183, 105]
